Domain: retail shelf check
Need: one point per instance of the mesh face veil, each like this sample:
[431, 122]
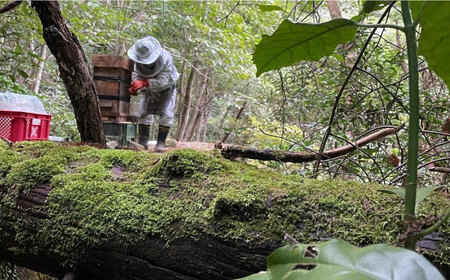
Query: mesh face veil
[148, 69]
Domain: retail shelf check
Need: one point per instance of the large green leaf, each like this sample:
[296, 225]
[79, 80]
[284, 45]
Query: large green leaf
[293, 42]
[421, 193]
[370, 6]
[337, 259]
[268, 8]
[434, 41]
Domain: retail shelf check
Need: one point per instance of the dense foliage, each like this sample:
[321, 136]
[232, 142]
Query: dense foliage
[350, 82]
[288, 109]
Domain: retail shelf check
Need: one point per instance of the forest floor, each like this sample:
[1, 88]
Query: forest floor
[199, 146]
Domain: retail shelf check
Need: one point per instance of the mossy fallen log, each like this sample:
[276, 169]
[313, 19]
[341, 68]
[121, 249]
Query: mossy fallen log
[115, 214]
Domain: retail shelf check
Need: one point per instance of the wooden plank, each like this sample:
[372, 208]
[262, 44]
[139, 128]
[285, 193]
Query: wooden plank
[108, 107]
[113, 61]
[107, 88]
[124, 108]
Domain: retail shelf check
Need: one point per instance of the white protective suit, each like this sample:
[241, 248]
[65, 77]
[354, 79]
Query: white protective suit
[162, 76]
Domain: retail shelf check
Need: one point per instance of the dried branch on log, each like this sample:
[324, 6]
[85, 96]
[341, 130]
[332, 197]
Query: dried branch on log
[440, 169]
[232, 151]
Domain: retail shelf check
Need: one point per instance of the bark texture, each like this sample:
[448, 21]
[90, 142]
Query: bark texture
[118, 214]
[202, 257]
[186, 104]
[74, 70]
[333, 8]
[10, 6]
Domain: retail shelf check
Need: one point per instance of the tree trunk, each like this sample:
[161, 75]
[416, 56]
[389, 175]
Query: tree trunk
[202, 257]
[184, 116]
[37, 81]
[333, 8]
[74, 70]
[197, 110]
[205, 123]
[180, 95]
[188, 215]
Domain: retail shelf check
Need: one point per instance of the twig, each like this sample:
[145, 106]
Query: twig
[385, 88]
[10, 143]
[313, 11]
[229, 13]
[418, 167]
[283, 116]
[421, 154]
[440, 169]
[341, 90]
[357, 148]
[432, 228]
[290, 239]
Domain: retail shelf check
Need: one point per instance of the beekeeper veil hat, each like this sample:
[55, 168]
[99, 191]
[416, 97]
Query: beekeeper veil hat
[145, 50]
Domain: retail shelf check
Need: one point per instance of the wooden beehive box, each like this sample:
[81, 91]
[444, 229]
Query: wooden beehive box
[112, 77]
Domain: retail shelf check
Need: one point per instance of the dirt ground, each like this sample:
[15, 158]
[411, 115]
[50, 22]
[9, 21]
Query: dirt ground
[199, 146]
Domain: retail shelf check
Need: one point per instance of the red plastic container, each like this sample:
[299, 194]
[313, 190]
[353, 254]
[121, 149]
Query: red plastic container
[22, 126]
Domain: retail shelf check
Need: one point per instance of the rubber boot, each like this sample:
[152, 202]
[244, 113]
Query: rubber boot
[143, 135]
[163, 131]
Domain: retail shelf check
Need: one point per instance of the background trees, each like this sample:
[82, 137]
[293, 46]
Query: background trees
[212, 44]
[288, 109]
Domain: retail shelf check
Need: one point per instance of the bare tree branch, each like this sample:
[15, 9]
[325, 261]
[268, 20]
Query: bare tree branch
[232, 151]
[10, 6]
[440, 169]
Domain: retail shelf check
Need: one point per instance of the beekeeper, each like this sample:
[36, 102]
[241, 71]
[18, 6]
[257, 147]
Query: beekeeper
[154, 77]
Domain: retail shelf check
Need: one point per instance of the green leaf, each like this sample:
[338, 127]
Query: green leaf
[338, 57]
[293, 42]
[421, 193]
[370, 6]
[338, 259]
[434, 41]
[284, 259]
[22, 73]
[268, 8]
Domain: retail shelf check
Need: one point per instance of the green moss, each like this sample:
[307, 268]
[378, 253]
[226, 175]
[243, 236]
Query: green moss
[7, 159]
[187, 162]
[124, 158]
[95, 203]
[33, 172]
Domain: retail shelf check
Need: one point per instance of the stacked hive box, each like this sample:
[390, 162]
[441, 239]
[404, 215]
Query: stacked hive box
[112, 76]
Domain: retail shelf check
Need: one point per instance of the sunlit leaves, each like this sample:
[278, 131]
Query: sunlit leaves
[293, 42]
[337, 259]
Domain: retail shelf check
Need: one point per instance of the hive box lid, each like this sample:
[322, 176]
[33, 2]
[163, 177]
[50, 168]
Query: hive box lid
[113, 61]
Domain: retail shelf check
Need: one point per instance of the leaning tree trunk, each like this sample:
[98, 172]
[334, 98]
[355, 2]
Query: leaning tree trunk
[74, 70]
[201, 257]
[117, 214]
